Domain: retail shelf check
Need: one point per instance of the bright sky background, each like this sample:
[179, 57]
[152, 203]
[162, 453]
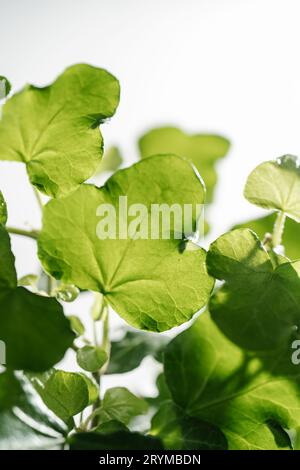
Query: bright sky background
[227, 66]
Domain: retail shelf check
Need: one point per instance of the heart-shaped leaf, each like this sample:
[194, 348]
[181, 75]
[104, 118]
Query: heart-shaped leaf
[153, 283]
[54, 130]
[128, 353]
[215, 381]
[258, 307]
[276, 185]
[119, 404]
[65, 393]
[203, 150]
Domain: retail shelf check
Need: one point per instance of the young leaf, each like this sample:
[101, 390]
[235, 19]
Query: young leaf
[259, 305]
[65, 393]
[119, 404]
[91, 358]
[179, 431]
[290, 237]
[25, 422]
[213, 380]
[153, 284]
[276, 185]
[203, 150]
[54, 130]
[119, 440]
[76, 325]
[5, 87]
[128, 353]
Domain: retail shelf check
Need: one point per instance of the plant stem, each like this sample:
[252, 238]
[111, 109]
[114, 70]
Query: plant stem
[278, 229]
[25, 233]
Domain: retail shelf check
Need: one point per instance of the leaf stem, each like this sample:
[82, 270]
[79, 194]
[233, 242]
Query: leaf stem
[278, 229]
[25, 233]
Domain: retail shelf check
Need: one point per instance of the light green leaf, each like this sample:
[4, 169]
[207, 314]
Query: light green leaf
[76, 325]
[93, 389]
[91, 358]
[276, 185]
[128, 353]
[54, 130]
[154, 284]
[3, 210]
[30, 280]
[203, 150]
[119, 404]
[213, 380]
[290, 237]
[181, 432]
[25, 422]
[259, 305]
[5, 87]
[65, 393]
[119, 440]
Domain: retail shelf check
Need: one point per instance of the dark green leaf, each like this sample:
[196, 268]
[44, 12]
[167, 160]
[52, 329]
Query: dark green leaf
[259, 305]
[128, 353]
[25, 423]
[181, 432]
[120, 440]
[65, 393]
[213, 380]
[119, 404]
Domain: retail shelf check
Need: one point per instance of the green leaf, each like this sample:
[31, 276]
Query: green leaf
[91, 358]
[119, 404]
[120, 440]
[65, 393]
[76, 325]
[30, 280]
[33, 327]
[128, 353]
[203, 150]
[111, 161]
[291, 234]
[276, 185]
[213, 380]
[258, 307]
[154, 284]
[25, 422]
[5, 87]
[93, 389]
[181, 432]
[54, 130]
[3, 210]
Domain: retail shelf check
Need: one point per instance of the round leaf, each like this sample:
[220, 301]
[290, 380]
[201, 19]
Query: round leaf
[91, 358]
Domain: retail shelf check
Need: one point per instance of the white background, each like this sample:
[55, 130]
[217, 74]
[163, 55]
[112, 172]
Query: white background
[227, 66]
